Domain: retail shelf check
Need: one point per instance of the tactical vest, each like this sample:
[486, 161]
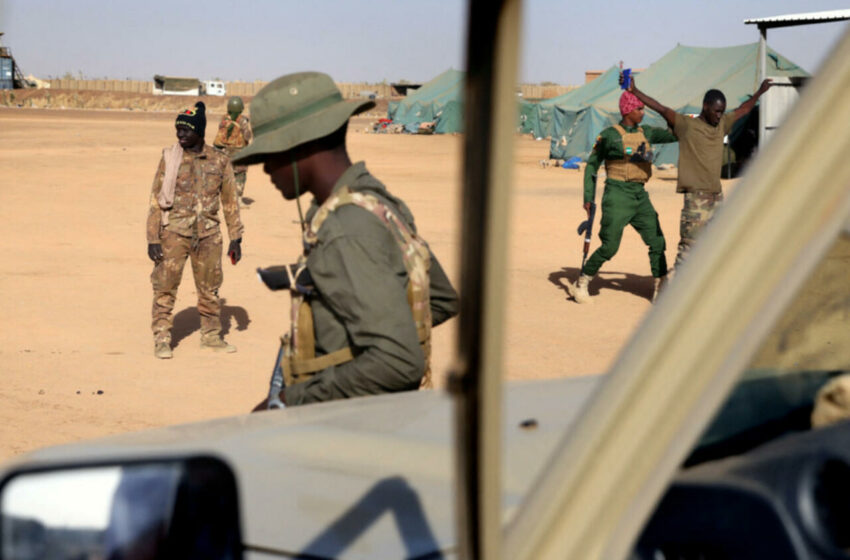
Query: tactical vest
[231, 136]
[298, 359]
[636, 165]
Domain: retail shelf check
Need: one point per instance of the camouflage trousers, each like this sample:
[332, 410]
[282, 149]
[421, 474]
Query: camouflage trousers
[240, 181]
[240, 172]
[166, 276]
[698, 209]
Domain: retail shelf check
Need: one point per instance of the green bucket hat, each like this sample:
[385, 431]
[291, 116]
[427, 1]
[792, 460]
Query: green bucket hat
[295, 109]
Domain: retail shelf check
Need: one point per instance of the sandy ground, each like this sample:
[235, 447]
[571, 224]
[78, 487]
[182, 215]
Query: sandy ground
[76, 351]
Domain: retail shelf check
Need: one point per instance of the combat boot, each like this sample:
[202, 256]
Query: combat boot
[582, 295]
[658, 285]
[217, 344]
[162, 350]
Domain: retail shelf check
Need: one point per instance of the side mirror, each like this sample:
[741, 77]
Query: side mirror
[185, 508]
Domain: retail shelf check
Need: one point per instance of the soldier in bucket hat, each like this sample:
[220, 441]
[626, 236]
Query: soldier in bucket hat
[366, 290]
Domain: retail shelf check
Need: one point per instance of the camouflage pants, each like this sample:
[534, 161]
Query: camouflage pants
[240, 172]
[166, 276]
[240, 181]
[698, 209]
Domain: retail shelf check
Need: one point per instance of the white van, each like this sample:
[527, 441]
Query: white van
[214, 88]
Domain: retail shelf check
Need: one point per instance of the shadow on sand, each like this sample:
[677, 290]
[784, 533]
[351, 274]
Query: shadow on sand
[641, 286]
[188, 321]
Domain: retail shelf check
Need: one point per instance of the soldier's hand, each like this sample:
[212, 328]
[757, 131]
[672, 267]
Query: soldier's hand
[155, 252]
[587, 208]
[234, 251]
[765, 85]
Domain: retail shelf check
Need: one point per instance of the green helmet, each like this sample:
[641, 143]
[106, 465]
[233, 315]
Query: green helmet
[235, 105]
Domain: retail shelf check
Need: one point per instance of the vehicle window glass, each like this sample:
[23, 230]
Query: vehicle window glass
[813, 333]
[808, 347]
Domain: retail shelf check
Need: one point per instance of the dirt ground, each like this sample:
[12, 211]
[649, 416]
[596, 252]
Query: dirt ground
[76, 353]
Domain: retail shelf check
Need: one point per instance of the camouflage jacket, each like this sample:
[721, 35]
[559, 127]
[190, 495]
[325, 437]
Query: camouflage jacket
[203, 180]
[361, 300]
[233, 135]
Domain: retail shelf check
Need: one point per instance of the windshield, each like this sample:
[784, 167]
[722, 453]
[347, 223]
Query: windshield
[808, 346]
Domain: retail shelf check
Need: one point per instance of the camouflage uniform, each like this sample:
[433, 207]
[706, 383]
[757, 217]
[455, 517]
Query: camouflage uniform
[232, 136]
[698, 209]
[190, 229]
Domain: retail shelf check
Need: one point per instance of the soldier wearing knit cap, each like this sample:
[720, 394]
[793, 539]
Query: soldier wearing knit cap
[190, 184]
[626, 150]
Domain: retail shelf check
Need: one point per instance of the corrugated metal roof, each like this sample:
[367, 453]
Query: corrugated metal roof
[802, 19]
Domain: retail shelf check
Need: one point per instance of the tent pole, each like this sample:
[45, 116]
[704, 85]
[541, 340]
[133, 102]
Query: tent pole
[762, 74]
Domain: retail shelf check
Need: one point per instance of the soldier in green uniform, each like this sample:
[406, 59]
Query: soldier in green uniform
[626, 149]
[192, 181]
[234, 133]
[361, 320]
[700, 156]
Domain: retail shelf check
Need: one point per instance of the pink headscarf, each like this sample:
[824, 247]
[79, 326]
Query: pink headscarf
[629, 102]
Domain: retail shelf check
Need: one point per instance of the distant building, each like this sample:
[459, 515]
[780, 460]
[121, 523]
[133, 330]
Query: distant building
[403, 89]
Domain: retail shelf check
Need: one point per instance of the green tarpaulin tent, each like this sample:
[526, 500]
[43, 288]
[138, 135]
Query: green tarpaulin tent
[572, 121]
[679, 80]
[434, 101]
[540, 121]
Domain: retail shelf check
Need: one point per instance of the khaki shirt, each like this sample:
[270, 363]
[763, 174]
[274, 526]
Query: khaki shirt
[203, 180]
[361, 300]
[700, 152]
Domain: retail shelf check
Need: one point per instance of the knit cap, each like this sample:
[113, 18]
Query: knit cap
[195, 118]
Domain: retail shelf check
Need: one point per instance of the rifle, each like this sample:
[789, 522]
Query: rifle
[293, 277]
[586, 227]
[296, 278]
[276, 385]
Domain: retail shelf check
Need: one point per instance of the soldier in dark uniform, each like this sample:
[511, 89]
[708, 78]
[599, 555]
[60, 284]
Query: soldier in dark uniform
[190, 184]
[362, 317]
[626, 150]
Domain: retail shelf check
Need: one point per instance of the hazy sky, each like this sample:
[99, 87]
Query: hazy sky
[378, 39]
